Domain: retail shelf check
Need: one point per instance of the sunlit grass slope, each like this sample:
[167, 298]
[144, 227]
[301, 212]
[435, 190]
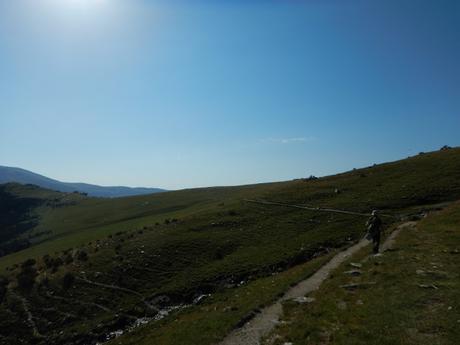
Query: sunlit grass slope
[415, 298]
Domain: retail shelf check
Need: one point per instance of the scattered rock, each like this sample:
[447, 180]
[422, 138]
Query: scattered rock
[354, 264]
[200, 298]
[353, 272]
[160, 301]
[342, 305]
[357, 285]
[428, 286]
[304, 299]
[438, 274]
[359, 302]
[420, 272]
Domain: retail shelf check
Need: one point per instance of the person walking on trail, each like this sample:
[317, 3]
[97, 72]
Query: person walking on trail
[373, 226]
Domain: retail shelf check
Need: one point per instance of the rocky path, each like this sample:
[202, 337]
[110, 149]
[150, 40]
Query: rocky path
[266, 320]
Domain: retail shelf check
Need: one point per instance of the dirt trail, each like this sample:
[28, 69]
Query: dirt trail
[30, 317]
[266, 320]
[389, 242]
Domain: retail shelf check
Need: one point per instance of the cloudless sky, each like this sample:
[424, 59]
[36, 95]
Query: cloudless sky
[179, 94]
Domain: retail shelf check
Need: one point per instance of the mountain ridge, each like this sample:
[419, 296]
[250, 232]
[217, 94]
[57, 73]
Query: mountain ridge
[23, 176]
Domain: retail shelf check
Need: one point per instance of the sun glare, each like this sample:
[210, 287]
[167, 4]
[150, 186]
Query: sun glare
[78, 4]
[84, 2]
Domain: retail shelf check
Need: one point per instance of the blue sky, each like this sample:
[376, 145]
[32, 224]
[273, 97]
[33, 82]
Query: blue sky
[179, 94]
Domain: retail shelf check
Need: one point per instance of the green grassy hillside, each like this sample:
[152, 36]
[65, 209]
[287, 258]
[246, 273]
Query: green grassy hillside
[423, 179]
[108, 261]
[415, 299]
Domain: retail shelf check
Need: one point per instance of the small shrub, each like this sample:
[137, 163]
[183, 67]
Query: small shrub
[48, 261]
[28, 262]
[219, 254]
[3, 287]
[26, 278]
[67, 251]
[56, 263]
[44, 281]
[82, 255]
[68, 259]
[68, 280]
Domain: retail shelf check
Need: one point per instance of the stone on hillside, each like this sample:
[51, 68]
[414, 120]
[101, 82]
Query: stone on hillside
[200, 298]
[354, 264]
[357, 285]
[428, 286]
[438, 274]
[303, 299]
[353, 272]
[342, 305]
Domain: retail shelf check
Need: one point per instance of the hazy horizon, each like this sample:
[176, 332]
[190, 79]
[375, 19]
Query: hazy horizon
[205, 186]
[174, 94]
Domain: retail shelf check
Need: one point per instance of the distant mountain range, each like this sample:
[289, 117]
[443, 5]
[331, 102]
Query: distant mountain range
[18, 175]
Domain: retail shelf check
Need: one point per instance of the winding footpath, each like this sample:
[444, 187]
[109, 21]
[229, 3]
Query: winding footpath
[252, 332]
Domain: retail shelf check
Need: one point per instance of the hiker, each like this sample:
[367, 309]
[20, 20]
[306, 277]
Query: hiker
[373, 226]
